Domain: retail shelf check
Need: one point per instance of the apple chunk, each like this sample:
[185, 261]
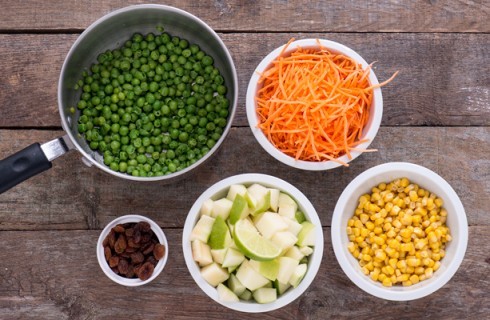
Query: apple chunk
[214, 274]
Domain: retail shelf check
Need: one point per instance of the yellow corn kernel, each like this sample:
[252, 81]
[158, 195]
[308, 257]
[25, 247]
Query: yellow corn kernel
[407, 283]
[381, 277]
[379, 241]
[379, 221]
[388, 197]
[356, 232]
[364, 232]
[436, 265]
[404, 182]
[413, 195]
[416, 219]
[392, 263]
[428, 273]
[405, 233]
[365, 270]
[374, 276]
[419, 270]
[391, 233]
[382, 186]
[397, 223]
[448, 237]
[380, 255]
[413, 262]
[352, 237]
[370, 226]
[356, 253]
[366, 258]
[375, 196]
[364, 218]
[358, 224]
[407, 220]
[351, 247]
[414, 278]
[387, 282]
[403, 277]
[421, 192]
[443, 212]
[369, 266]
[377, 230]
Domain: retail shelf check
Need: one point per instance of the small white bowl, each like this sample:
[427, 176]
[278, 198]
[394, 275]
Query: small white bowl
[425, 178]
[219, 190]
[105, 266]
[369, 132]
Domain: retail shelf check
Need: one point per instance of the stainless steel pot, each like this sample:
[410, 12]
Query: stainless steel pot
[110, 32]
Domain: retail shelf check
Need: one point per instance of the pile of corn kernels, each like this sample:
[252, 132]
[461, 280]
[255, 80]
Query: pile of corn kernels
[398, 233]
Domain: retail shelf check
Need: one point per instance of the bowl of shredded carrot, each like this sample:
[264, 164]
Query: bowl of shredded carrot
[314, 104]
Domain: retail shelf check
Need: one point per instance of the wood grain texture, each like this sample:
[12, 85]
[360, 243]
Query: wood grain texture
[235, 15]
[72, 196]
[435, 86]
[61, 279]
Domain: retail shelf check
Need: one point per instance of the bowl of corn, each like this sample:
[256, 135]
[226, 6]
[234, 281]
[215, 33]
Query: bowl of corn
[399, 231]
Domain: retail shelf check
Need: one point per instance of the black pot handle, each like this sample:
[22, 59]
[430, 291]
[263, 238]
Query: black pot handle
[29, 162]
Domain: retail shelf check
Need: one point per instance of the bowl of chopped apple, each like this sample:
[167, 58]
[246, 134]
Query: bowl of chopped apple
[253, 242]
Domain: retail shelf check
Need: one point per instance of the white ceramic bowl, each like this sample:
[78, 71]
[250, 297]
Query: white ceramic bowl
[105, 266]
[369, 131]
[219, 190]
[425, 178]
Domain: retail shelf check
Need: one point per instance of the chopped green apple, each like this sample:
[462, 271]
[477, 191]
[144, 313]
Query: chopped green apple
[214, 274]
[274, 202]
[270, 223]
[232, 269]
[236, 189]
[284, 239]
[258, 198]
[219, 237]
[293, 226]
[239, 209]
[300, 216]
[265, 295]
[287, 206]
[235, 285]
[221, 208]
[268, 269]
[249, 277]
[233, 257]
[203, 228]
[298, 275]
[201, 253]
[206, 207]
[287, 266]
[225, 294]
[306, 237]
[246, 295]
[293, 252]
[218, 255]
[281, 287]
[306, 250]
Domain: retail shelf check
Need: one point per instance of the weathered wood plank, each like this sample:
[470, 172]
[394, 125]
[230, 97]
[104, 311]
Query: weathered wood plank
[435, 85]
[233, 15]
[55, 275]
[72, 196]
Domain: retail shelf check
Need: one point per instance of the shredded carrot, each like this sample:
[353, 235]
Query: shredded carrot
[313, 104]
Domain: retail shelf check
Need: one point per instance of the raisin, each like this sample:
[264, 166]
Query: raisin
[115, 270]
[129, 232]
[132, 244]
[113, 261]
[123, 266]
[121, 244]
[130, 273]
[137, 236]
[145, 238]
[145, 271]
[148, 248]
[130, 250]
[151, 259]
[143, 226]
[159, 251]
[107, 252]
[137, 257]
[112, 239]
[119, 228]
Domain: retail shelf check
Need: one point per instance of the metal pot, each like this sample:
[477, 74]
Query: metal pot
[110, 32]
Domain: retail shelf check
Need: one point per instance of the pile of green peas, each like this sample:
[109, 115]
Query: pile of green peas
[154, 106]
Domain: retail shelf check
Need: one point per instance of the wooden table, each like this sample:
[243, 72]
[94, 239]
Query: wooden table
[437, 114]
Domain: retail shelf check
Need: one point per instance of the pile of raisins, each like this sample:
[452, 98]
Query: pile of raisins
[132, 250]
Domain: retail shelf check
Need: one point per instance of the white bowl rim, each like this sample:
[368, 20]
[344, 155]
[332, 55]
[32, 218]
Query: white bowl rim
[367, 284]
[269, 147]
[105, 266]
[266, 180]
